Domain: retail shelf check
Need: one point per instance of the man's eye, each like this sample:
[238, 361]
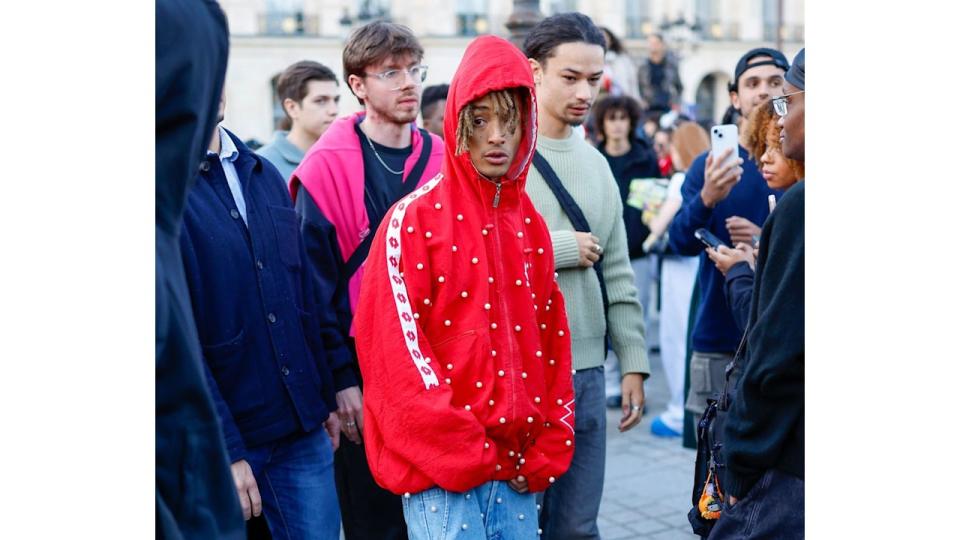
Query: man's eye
[568, 78]
[479, 122]
[594, 80]
[776, 82]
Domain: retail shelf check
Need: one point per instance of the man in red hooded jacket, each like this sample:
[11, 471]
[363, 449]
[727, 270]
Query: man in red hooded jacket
[461, 328]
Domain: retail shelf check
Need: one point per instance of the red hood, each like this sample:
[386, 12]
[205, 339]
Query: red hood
[490, 63]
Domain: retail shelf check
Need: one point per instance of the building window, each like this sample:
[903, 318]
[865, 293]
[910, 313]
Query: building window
[708, 18]
[368, 10]
[770, 20]
[638, 18]
[286, 18]
[559, 6]
[472, 18]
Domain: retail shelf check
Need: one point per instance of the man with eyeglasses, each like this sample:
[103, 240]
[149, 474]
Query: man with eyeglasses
[763, 435]
[342, 189]
[728, 197]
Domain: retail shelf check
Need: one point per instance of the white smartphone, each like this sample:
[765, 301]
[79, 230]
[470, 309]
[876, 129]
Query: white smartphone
[722, 137]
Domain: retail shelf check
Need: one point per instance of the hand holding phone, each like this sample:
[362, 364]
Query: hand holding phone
[723, 165]
[708, 238]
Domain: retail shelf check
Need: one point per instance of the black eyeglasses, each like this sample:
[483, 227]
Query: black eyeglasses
[780, 103]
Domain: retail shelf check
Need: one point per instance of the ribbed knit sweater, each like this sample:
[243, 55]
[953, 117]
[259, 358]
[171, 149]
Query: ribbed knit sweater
[586, 175]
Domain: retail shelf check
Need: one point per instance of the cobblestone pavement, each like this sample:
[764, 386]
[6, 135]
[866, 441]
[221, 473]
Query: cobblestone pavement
[647, 485]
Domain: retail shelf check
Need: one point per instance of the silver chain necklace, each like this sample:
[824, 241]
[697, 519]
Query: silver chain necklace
[375, 153]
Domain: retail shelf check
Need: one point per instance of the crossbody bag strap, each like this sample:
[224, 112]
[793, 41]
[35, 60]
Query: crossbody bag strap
[360, 254]
[573, 211]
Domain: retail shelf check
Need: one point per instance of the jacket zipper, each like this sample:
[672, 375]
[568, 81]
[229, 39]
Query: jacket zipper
[508, 326]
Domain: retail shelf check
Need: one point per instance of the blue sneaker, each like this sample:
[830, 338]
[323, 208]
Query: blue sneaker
[660, 429]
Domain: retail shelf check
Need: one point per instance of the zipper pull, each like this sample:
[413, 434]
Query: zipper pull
[496, 196]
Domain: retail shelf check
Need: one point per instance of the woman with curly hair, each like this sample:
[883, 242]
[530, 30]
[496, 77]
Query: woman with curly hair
[780, 172]
[763, 136]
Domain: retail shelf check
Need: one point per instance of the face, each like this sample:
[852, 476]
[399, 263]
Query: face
[492, 147]
[383, 98]
[616, 125]
[569, 82]
[317, 110]
[773, 165]
[655, 45]
[433, 122]
[661, 143]
[756, 85]
[791, 133]
[650, 128]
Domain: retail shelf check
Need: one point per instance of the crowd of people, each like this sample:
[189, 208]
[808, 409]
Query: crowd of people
[414, 331]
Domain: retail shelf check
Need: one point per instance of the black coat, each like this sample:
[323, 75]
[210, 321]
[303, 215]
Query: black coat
[764, 427]
[639, 162]
[195, 496]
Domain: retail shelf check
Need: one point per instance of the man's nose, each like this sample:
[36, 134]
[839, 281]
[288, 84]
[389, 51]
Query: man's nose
[497, 133]
[584, 91]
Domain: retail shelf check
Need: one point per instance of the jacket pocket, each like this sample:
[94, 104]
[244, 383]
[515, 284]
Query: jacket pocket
[286, 226]
[236, 373]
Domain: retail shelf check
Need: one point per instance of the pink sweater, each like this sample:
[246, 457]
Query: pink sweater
[332, 173]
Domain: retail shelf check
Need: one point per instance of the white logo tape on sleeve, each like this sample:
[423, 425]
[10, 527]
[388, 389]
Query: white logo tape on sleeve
[407, 323]
[563, 418]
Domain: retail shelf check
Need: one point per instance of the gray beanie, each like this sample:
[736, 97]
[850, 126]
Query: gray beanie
[795, 74]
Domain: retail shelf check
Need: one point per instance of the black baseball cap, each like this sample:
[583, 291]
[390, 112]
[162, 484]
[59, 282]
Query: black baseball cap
[776, 59]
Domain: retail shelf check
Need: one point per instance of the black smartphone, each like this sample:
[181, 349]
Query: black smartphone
[708, 238]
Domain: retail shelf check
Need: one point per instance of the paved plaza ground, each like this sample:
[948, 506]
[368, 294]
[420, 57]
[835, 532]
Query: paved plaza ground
[646, 491]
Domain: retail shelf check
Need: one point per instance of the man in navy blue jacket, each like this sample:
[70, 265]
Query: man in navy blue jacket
[271, 349]
[730, 200]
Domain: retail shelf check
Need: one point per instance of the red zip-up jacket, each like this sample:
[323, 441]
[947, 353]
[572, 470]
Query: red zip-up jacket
[461, 329]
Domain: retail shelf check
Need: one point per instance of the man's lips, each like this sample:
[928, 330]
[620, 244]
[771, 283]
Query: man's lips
[496, 157]
[580, 109]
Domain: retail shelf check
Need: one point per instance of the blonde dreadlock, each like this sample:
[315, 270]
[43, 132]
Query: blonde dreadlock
[506, 106]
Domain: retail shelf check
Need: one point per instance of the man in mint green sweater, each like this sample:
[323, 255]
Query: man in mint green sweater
[566, 54]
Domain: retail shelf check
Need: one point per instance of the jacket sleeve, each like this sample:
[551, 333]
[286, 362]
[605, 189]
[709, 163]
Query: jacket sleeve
[739, 290]
[693, 214]
[231, 433]
[407, 405]
[329, 284]
[549, 455]
[768, 405]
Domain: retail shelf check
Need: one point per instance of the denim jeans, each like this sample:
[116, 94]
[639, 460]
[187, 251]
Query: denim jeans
[571, 504]
[773, 508]
[295, 479]
[490, 511]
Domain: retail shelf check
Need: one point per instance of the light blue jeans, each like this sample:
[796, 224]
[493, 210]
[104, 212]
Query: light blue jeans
[490, 511]
[571, 504]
